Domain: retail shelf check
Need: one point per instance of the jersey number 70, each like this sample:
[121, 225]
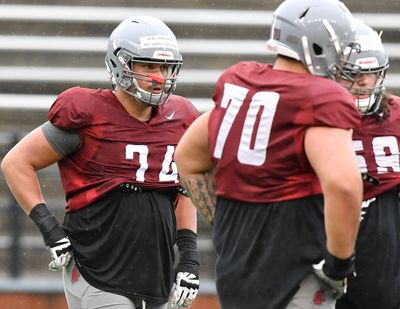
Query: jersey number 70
[232, 100]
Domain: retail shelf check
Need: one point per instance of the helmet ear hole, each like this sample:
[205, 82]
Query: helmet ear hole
[317, 49]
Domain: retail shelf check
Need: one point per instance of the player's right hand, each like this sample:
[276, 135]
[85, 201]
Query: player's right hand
[61, 254]
[338, 287]
[54, 236]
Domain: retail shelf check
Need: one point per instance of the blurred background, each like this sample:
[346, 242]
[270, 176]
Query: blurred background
[48, 46]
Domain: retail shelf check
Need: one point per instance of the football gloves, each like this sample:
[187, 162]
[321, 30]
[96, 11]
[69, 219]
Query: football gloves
[60, 253]
[187, 270]
[53, 236]
[186, 290]
[335, 273]
[338, 286]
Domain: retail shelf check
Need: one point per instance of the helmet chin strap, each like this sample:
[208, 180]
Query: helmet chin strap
[364, 105]
[147, 97]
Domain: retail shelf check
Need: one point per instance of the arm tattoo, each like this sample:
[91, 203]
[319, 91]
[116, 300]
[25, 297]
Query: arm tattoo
[201, 189]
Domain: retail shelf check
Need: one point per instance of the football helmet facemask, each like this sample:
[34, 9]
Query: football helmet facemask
[315, 33]
[373, 60]
[143, 39]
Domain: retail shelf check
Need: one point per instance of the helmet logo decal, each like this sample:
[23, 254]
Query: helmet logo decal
[277, 34]
[367, 63]
[292, 39]
[163, 54]
[158, 41]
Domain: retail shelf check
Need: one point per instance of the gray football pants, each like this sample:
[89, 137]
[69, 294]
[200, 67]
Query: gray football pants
[81, 295]
[312, 294]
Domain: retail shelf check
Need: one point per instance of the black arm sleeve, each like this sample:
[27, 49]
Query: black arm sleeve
[63, 142]
[47, 224]
[189, 254]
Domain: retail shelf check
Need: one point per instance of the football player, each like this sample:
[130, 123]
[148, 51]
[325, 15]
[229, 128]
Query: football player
[125, 208]
[376, 142]
[287, 185]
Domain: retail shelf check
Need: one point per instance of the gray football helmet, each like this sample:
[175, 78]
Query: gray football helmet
[373, 60]
[315, 32]
[143, 39]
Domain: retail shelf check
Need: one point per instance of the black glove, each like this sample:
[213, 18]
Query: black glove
[187, 270]
[334, 272]
[53, 236]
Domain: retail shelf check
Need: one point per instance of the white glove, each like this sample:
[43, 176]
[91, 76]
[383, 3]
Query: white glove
[186, 289]
[61, 253]
[338, 287]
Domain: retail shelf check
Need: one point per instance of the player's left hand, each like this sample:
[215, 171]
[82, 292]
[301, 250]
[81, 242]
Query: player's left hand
[186, 290]
[61, 254]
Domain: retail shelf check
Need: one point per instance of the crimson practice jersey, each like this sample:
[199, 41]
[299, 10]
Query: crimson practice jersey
[377, 148]
[116, 147]
[257, 129]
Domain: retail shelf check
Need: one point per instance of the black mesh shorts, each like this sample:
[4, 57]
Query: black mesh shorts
[265, 250]
[377, 284]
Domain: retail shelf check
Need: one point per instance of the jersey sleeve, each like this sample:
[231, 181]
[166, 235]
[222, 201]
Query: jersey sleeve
[71, 109]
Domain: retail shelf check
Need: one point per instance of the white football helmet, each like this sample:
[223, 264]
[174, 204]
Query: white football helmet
[373, 60]
[143, 39]
[315, 32]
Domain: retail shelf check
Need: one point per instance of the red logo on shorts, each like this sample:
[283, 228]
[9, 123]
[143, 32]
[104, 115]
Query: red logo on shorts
[74, 274]
[319, 297]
